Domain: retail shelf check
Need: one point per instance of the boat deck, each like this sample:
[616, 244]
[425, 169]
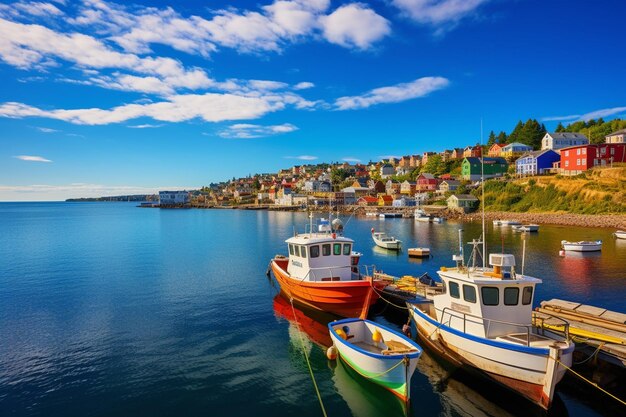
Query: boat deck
[522, 339]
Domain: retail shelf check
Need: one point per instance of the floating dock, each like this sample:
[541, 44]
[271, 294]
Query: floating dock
[592, 328]
[407, 287]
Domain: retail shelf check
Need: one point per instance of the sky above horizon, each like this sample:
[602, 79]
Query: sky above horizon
[113, 98]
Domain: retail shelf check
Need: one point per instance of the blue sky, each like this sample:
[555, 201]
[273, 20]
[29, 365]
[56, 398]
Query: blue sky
[109, 98]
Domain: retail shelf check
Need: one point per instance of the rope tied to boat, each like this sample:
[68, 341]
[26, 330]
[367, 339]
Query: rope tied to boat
[404, 360]
[593, 384]
[383, 298]
[306, 356]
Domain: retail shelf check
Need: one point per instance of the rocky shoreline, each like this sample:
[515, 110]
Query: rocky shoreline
[615, 221]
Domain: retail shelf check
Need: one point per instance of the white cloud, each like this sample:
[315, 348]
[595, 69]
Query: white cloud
[249, 131]
[355, 25]
[144, 126]
[303, 157]
[303, 85]
[437, 12]
[393, 94]
[46, 130]
[33, 8]
[32, 158]
[612, 111]
[351, 159]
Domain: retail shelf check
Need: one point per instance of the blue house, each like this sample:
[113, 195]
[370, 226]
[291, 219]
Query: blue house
[536, 162]
[404, 202]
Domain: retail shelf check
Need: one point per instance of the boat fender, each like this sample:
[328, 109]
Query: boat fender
[376, 336]
[331, 353]
[561, 252]
[334, 235]
[372, 230]
[406, 330]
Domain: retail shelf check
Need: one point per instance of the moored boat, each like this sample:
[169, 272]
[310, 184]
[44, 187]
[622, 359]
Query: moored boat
[377, 353]
[526, 228]
[387, 242]
[582, 246]
[620, 234]
[322, 272]
[509, 223]
[484, 320]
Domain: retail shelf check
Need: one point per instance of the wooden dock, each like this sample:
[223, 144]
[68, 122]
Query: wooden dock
[593, 328]
[407, 287]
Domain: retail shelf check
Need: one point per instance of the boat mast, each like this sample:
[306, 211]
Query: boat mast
[482, 182]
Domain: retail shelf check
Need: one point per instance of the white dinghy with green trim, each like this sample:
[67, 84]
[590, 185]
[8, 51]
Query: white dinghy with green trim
[377, 353]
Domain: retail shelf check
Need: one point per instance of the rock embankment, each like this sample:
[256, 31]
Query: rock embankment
[616, 221]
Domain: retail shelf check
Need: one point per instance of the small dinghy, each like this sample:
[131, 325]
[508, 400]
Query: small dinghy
[582, 246]
[388, 242]
[526, 228]
[620, 234]
[377, 353]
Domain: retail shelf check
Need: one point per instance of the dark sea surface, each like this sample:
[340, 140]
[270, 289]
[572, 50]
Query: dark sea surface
[111, 310]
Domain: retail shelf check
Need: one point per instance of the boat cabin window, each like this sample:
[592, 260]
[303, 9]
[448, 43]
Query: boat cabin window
[346, 249]
[303, 251]
[511, 296]
[491, 296]
[314, 251]
[326, 249]
[291, 249]
[454, 290]
[296, 250]
[336, 248]
[469, 293]
[527, 295]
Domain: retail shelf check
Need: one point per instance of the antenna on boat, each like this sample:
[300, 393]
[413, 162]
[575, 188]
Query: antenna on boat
[460, 257]
[523, 251]
[310, 224]
[482, 183]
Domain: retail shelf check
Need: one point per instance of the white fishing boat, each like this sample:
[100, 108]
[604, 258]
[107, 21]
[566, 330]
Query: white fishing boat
[377, 353]
[509, 223]
[526, 228]
[497, 222]
[620, 234]
[484, 321]
[387, 242]
[582, 246]
[421, 216]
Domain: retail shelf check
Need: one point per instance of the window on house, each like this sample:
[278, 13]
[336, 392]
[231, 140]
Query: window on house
[566, 153]
[346, 249]
[490, 295]
[326, 249]
[578, 162]
[578, 151]
[469, 293]
[612, 151]
[454, 290]
[511, 295]
[584, 161]
[566, 163]
[336, 248]
[527, 295]
[584, 151]
[314, 251]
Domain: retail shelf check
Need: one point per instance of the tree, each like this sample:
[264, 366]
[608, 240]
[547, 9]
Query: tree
[560, 127]
[502, 137]
[492, 138]
[434, 165]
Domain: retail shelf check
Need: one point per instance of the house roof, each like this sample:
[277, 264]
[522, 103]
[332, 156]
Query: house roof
[618, 132]
[368, 198]
[536, 154]
[567, 135]
[386, 197]
[476, 160]
[517, 144]
[427, 176]
[452, 182]
[465, 197]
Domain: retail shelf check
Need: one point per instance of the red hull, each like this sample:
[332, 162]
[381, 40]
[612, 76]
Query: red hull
[343, 298]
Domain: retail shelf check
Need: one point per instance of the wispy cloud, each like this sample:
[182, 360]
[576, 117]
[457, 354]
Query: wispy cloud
[144, 126]
[443, 14]
[303, 85]
[303, 157]
[612, 111]
[32, 158]
[46, 130]
[351, 159]
[250, 131]
[393, 94]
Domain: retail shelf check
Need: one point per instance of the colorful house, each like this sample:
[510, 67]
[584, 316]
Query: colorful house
[427, 182]
[616, 137]
[559, 140]
[408, 187]
[387, 170]
[493, 167]
[462, 202]
[536, 162]
[495, 149]
[367, 200]
[385, 200]
[457, 153]
[473, 151]
[449, 185]
[577, 159]
[515, 149]
[404, 202]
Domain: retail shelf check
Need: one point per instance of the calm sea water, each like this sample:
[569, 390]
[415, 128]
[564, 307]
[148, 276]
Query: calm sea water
[111, 310]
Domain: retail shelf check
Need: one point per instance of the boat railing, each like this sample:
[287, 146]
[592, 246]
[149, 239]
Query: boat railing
[539, 319]
[332, 271]
[483, 320]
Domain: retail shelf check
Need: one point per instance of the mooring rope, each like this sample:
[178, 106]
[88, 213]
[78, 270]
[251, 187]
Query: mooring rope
[593, 384]
[383, 298]
[317, 391]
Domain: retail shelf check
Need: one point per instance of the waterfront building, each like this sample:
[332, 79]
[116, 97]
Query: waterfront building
[448, 185]
[385, 200]
[167, 198]
[515, 149]
[404, 201]
[536, 162]
[559, 140]
[392, 187]
[408, 187]
[577, 159]
[367, 200]
[616, 137]
[462, 202]
[495, 149]
[357, 191]
[493, 167]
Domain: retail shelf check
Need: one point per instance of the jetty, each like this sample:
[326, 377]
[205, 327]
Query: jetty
[596, 330]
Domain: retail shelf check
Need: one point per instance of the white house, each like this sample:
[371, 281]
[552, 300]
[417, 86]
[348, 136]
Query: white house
[558, 140]
[173, 197]
[616, 137]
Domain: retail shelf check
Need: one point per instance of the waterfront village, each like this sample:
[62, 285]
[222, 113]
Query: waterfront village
[444, 179]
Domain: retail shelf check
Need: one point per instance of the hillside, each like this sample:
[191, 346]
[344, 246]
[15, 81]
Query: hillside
[598, 191]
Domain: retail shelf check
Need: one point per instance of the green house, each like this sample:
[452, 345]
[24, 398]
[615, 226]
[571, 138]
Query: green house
[493, 167]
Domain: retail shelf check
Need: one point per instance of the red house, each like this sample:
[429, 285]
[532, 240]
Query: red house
[473, 151]
[427, 182]
[576, 159]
